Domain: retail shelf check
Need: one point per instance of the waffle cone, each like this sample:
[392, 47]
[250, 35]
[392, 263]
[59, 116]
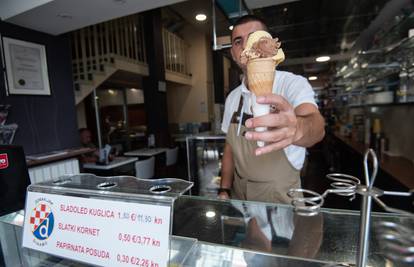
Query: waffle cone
[260, 75]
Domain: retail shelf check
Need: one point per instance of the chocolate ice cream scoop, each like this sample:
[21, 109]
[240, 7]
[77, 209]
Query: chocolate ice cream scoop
[266, 47]
[260, 44]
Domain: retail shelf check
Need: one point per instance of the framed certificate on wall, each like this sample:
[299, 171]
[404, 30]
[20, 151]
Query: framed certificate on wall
[25, 67]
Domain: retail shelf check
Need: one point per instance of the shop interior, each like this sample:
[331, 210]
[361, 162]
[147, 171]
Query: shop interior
[138, 88]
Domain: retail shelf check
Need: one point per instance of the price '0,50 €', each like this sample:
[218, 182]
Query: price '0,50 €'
[138, 239]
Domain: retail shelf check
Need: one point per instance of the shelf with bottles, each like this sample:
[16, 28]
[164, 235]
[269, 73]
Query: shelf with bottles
[382, 105]
[395, 90]
[392, 52]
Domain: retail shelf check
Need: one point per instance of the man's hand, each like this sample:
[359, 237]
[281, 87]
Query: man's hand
[303, 126]
[281, 125]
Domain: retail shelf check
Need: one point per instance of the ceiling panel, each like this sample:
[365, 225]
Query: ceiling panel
[60, 16]
[10, 8]
[186, 12]
[253, 4]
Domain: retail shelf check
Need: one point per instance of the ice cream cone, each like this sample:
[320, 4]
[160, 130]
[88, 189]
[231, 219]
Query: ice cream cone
[261, 56]
[260, 75]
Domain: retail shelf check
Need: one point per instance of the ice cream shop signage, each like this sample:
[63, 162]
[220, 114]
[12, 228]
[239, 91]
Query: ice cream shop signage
[81, 228]
[4, 161]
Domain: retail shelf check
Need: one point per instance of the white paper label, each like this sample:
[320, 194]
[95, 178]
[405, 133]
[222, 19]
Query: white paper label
[100, 232]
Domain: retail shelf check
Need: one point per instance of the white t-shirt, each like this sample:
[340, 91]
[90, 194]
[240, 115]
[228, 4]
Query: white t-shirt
[294, 88]
[282, 219]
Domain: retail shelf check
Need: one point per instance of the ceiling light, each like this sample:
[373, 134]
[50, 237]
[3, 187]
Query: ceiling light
[64, 16]
[201, 17]
[285, 9]
[355, 66]
[312, 78]
[210, 214]
[364, 65]
[111, 92]
[323, 58]
[231, 27]
[344, 68]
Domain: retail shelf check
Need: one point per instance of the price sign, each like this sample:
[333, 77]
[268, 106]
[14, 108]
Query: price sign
[100, 232]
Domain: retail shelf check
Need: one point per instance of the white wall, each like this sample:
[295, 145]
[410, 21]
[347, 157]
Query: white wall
[226, 68]
[80, 113]
[135, 96]
[193, 103]
[10, 8]
[112, 97]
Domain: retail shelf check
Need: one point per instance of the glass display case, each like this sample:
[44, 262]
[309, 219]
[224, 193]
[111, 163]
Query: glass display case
[211, 232]
[204, 153]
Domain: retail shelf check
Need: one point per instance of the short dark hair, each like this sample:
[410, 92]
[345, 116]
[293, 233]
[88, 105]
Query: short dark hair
[248, 18]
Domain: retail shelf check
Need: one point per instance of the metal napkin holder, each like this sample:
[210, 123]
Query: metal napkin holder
[396, 240]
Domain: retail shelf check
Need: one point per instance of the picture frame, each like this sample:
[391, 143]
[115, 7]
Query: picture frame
[25, 67]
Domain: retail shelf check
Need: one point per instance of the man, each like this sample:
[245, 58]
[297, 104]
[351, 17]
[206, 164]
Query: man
[267, 173]
[86, 141]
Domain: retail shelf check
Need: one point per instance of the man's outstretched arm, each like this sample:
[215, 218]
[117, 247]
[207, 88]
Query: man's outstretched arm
[303, 126]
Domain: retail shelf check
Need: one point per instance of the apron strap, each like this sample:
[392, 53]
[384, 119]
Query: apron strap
[235, 118]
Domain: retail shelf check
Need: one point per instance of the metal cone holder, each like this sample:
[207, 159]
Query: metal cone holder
[396, 240]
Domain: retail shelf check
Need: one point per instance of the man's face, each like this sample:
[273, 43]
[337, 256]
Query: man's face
[239, 39]
[86, 137]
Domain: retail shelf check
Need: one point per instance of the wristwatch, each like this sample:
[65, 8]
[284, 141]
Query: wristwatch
[226, 190]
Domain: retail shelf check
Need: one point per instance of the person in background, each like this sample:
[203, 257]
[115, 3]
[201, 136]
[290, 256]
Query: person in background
[266, 173]
[86, 141]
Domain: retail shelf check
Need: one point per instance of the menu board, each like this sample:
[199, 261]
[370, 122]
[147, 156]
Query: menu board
[99, 232]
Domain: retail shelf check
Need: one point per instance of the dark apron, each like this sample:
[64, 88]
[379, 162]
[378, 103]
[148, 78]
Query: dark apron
[265, 178]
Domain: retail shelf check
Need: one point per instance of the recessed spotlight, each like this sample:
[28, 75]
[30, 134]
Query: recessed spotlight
[323, 58]
[231, 27]
[64, 16]
[210, 214]
[201, 17]
[285, 9]
[312, 78]
[120, 2]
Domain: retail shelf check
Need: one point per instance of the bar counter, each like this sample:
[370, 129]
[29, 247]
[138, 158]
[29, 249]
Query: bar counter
[400, 168]
[63, 154]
